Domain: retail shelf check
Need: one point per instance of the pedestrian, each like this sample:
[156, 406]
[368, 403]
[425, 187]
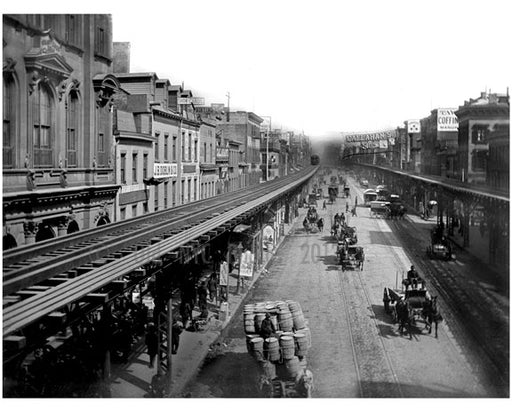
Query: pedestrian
[356, 201]
[185, 312]
[177, 328]
[202, 294]
[212, 287]
[151, 342]
[320, 224]
[347, 207]
[216, 258]
[267, 328]
[354, 213]
[324, 205]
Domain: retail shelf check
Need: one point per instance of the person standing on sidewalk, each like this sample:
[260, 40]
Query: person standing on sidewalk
[152, 343]
[212, 287]
[202, 294]
[177, 328]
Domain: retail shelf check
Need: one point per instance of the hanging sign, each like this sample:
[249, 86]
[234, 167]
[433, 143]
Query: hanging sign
[246, 264]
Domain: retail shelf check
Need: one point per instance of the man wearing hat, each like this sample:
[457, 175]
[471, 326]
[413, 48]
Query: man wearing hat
[267, 327]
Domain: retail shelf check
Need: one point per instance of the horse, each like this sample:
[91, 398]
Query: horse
[403, 316]
[431, 314]
[305, 223]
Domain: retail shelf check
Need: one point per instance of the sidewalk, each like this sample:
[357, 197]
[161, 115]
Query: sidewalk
[478, 248]
[132, 380]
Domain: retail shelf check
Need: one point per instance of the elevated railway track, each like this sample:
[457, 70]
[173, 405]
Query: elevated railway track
[41, 278]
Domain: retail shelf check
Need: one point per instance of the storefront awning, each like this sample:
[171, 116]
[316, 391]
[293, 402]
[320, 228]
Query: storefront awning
[153, 181]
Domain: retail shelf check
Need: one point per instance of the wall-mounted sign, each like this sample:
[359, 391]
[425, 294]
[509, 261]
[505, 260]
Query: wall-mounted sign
[246, 264]
[222, 153]
[165, 170]
[189, 169]
[413, 126]
[196, 101]
[447, 121]
[370, 137]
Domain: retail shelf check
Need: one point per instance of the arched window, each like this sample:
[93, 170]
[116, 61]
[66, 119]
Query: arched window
[9, 110]
[44, 232]
[9, 242]
[72, 129]
[73, 227]
[42, 121]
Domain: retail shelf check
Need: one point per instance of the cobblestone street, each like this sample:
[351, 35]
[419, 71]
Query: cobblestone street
[356, 349]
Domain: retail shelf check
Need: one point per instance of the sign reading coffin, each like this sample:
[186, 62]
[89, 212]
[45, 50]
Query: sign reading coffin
[447, 121]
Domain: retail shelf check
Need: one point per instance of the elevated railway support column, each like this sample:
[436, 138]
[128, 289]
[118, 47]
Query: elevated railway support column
[497, 219]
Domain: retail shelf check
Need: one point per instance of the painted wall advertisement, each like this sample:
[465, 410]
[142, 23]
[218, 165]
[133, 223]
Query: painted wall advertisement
[447, 121]
[372, 140]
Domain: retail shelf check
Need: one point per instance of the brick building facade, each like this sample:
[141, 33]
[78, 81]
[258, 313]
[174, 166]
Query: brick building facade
[58, 160]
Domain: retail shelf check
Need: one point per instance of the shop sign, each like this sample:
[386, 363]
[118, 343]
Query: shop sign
[447, 121]
[413, 126]
[246, 264]
[165, 170]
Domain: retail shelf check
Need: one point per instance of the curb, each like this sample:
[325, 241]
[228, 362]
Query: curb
[177, 388]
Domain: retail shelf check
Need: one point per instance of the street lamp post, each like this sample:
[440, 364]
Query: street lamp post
[239, 249]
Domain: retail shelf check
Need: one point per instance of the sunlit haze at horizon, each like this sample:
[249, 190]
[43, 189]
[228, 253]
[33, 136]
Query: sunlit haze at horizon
[322, 67]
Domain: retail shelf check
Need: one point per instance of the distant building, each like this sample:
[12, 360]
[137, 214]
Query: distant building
[135, 155]
[244, 128]
[207, 163]
[498, 166]
[477, 119]
[439, 135]
[58, 151]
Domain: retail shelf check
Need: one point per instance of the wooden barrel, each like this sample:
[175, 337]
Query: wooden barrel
[287, 344]
[257, 348]
[303, 363]
[248, 339]
[294, 306]
[298, 320]
[249, 326]
[272, 349]
[273, 319]
[258, 318]
[282, 306]
[285, 321]
[301, 344]
[292, 367]
[307, 332]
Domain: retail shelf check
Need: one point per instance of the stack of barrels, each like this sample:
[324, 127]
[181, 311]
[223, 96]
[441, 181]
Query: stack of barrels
[283, 354]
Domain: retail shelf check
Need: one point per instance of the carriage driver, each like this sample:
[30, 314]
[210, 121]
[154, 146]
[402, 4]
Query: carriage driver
[412, 278]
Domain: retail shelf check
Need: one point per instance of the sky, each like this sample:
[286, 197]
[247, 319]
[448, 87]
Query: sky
[322, 67]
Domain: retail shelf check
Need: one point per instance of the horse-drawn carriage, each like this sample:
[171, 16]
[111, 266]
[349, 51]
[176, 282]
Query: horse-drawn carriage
[350, 235]
[379, 209]
[412, 305]
[333, 193]
[439, 247]
[350, 256]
